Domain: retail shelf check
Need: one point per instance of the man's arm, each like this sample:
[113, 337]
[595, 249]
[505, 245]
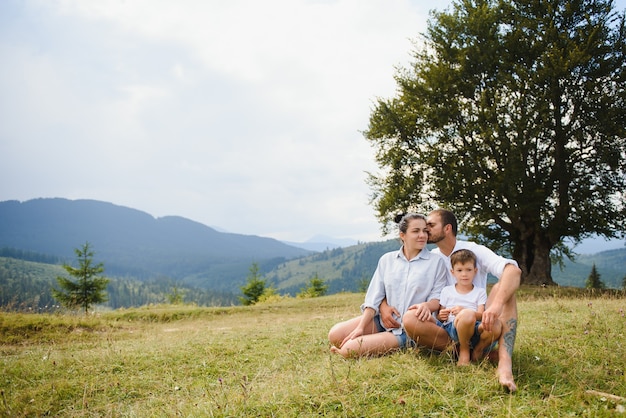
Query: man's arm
[386, 315]
[505, 289]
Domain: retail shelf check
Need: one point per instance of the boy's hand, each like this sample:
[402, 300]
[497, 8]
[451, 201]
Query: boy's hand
[444, 314]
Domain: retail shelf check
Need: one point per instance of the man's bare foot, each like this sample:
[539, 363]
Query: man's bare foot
[335, 350]
[505, 377]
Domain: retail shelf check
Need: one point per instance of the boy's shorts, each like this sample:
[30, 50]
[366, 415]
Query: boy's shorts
[453, 334]
[404, 341]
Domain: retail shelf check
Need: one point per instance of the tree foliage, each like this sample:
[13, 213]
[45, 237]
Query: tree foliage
[176, 296]
[254, 287]
[315, 287]
[511, 115]
[594, 281]
[88, 289]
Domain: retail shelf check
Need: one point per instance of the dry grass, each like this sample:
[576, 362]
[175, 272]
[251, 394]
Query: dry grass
[273, 360]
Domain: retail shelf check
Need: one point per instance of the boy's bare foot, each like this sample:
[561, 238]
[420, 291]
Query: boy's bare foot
[463, 358]
[463, 361]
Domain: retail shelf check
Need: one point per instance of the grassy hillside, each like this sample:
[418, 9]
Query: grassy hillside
[273, 360]
[27, 284]
[345, 268]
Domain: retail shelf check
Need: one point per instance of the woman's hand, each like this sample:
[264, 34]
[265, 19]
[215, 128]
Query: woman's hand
[356, 333]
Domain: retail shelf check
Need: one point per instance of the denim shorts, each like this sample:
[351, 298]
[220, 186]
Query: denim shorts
[452, 333]
[404, 341]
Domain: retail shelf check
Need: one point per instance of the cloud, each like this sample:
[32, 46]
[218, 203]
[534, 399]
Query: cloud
[241, 114]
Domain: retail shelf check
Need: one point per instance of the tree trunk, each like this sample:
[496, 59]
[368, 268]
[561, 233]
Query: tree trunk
[533, 257]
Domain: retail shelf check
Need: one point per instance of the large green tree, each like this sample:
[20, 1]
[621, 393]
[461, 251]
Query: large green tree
[89, 287]
[511, 115]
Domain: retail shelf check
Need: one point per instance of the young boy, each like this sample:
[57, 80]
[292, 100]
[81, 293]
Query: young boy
[462, 307]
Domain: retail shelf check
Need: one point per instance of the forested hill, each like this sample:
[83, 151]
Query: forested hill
[147, 258]
[133, 243]
[349, 269]
[611, 266]
[26, 285]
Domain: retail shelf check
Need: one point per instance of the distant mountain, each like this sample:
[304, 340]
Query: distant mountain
[323, 243]
[597, 244]
[133, 243]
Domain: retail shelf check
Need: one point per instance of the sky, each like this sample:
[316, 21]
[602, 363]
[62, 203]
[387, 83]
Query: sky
[243, 115]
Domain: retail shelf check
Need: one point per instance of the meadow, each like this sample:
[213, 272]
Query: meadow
[273, 359]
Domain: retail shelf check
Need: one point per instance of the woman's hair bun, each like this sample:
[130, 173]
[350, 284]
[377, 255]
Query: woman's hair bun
[398, 217]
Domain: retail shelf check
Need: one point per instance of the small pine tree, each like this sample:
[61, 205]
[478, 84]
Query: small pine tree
[624, 283]
[254, 287]
[593, 281]
[88, 289]
[176, 296]
[315, 287]
[270, 294]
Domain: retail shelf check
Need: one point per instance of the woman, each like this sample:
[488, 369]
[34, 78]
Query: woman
[409, 279]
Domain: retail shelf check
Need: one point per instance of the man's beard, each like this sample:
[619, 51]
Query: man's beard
[433, 239]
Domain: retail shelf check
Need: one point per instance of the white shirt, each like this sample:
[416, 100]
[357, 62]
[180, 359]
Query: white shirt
[472, 300]
[405, 282]
[487, 262]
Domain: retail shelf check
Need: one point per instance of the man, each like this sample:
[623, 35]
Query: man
[501, 303]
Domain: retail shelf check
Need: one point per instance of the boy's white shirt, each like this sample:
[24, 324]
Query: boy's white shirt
[472, 300]
[487, 262]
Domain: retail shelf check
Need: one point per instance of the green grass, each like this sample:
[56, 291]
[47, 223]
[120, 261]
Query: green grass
[273, 360]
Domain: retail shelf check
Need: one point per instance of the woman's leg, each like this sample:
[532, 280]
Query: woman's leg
[340, 331]
[375, 344]
[425, 333]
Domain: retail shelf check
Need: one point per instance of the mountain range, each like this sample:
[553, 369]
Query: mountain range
[133, 243]
[135, 246]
